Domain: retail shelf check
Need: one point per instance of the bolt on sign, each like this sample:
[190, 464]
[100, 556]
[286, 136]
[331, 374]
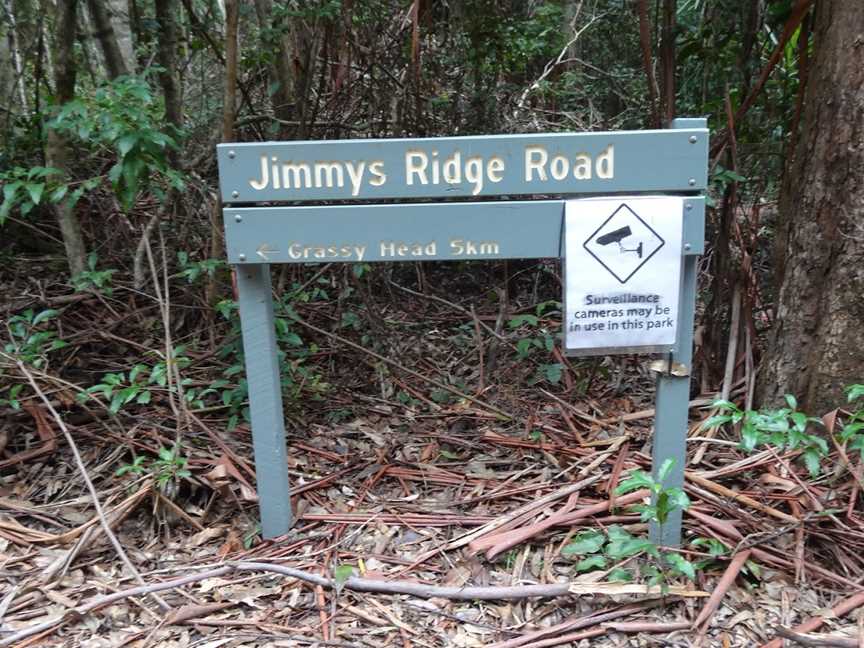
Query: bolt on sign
[629, 250]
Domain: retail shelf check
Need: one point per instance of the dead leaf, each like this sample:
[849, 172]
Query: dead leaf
[189, 612]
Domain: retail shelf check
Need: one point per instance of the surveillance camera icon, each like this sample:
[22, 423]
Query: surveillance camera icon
[618, 236]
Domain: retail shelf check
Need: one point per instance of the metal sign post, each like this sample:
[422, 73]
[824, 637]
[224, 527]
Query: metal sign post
[668, 162]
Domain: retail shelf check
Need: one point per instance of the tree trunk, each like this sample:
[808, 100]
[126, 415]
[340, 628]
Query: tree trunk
[281, 79]
[818, 340]
[7, 74]
[121, 20]
[115, 64]
[667, 61]
[166, 16]
[56, 147]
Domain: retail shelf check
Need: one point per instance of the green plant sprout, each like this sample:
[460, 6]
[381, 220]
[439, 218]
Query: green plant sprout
[93, 279]
[785, 428]
[538, 339]
[168, 467]
[597, 549]
[29, 340]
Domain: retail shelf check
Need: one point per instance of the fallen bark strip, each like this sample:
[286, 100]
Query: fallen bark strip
[499, 542]
[718, 489]
[354, 583]
[843, 608]
[579, 623]
[568, 638]
[721, 588]
[632, 627]
[817, 640]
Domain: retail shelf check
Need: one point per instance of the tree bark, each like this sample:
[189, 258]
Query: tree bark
[115, 65]
[166, 16]
[281, 78]
[818, 341]
[667, 61]
[56, 146]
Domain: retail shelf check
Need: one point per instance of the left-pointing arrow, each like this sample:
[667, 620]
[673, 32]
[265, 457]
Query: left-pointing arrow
[263, 250]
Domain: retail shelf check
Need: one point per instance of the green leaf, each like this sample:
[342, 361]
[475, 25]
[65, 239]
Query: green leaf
[143, 397]
[725, 405]
[126, 143]
[10, 189]
[35, 189]
[637, 479]
[811, 460]
[116, 402]
[749, 437]
[681, 565]
[44, 315]
[623, 545]
[854, 392]
[58, 194]
[523, 347]
[791, 401]
[665, 468]
[592, 562]
[342, 573]
[716, 421]
[553, 372]
[587, 542]
[620, 575]
[518, 320]
[753, 568]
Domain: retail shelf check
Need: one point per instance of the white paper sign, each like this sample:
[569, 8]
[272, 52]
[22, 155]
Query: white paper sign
[622, 274]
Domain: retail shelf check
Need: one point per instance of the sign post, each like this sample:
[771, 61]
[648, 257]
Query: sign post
[632, 248]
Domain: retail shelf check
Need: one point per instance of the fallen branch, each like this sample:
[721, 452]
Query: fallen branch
[354, 583]
[817, 640]
[843, 608]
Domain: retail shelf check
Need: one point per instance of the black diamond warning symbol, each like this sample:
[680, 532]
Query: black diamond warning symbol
[623, 243]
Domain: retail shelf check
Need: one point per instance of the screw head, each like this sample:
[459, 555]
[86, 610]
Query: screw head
[238, 218]
[241, 257]
[687, 246]
[235, 194]
[689, 207]
[693, 140]
[691, 182]
[232, 154]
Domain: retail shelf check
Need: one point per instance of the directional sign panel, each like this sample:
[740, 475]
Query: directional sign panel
[623, 274]
[425, 232]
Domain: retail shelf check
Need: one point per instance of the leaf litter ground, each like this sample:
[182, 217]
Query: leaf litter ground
[397, 480]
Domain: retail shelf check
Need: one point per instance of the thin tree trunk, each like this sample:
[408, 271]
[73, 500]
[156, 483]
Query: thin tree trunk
[121, 20]
[281, 79]
[667, 61]
[56, 147]
[115, 65]
[647, 62]
[818, 338]
[232, 47]
[15, 54]
[166, 16]
[232, 12]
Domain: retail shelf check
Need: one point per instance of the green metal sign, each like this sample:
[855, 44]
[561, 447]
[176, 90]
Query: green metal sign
[621, 245]
[459, 167]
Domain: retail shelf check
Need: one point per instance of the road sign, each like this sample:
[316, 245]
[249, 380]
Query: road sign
[631, 248]
[367, 233]
[453, 167]
[631, 253]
